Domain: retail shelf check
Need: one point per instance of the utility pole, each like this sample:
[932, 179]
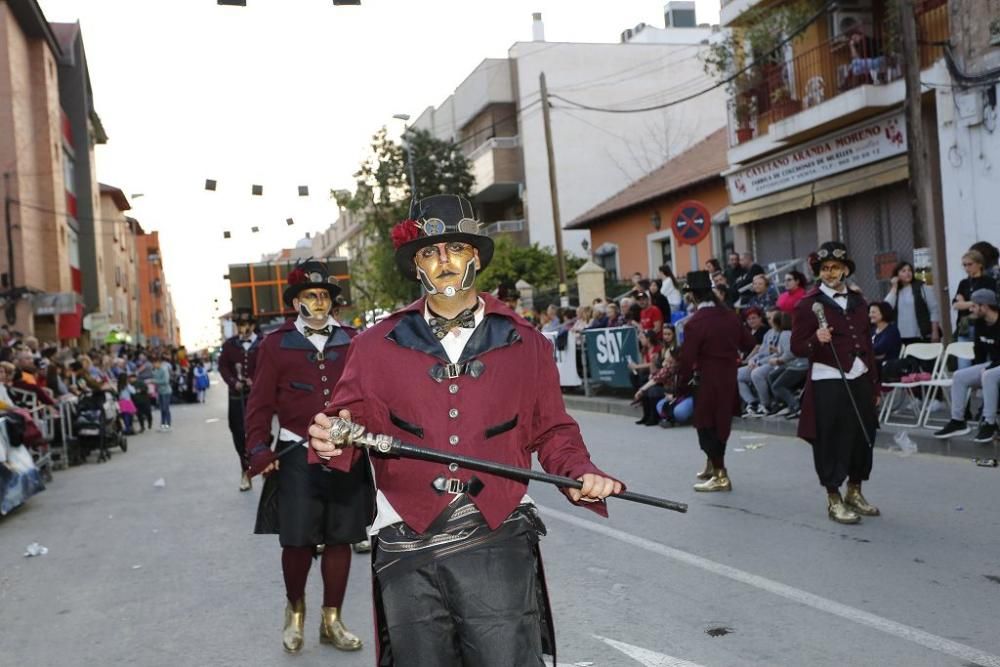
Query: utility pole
[553, 192]
[7, 201]
[920, 183]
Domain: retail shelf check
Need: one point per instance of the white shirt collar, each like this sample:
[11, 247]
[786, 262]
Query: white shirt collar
[479, 314]
[300, 324]
[830, 292]
[706, 304]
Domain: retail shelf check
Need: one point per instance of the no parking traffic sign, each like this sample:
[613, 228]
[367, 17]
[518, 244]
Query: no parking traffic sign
[691, 222]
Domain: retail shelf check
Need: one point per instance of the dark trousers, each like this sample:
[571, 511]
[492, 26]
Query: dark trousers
[841, 448]
[710, 443]
[784, 382]
[475, 608]
[237, 427]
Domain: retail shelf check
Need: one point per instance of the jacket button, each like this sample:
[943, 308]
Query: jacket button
[326, 404]
[453, 389]
[322, 367]
[323, 379]
[453, 467]
[453, 440]
[326, 392]
[453, 413]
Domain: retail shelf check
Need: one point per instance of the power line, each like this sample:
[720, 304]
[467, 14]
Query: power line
[795, 33]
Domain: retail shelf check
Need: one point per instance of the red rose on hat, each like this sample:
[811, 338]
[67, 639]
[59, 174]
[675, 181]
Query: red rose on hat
[296, 276]
[404, 232]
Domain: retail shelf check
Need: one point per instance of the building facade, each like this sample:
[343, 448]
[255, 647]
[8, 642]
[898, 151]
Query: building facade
[818, 146]
[495, 116]
[634, 231]
[157, 321]
[120, 276]
[38, 249]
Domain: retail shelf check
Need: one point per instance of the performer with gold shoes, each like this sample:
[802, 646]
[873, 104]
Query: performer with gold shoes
[713, 340]
[838, 406]
[307, 506]
[237, 362]
[458, 579]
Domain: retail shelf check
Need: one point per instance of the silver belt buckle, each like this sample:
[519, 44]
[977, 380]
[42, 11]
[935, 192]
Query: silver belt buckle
[453, 370]
[454, 486]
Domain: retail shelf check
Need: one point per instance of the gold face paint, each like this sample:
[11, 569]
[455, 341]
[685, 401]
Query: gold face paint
[832, 273]
[447, 268]
[313, 304]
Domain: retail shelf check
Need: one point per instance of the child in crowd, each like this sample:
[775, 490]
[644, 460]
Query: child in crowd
[143, 402]
[125, 403]
[201, 381]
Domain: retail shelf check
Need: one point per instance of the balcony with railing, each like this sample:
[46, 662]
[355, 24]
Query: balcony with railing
[779, 100]
[497, 167]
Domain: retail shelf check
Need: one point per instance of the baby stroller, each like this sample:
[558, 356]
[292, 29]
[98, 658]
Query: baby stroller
[98, 425]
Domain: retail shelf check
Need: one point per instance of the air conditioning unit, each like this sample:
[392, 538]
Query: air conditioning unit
[843, 22]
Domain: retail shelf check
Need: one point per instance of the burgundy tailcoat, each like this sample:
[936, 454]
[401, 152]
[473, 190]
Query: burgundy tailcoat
[851, 338]
[509, 408]
[713, 340]
[233, 354]
[293, 381]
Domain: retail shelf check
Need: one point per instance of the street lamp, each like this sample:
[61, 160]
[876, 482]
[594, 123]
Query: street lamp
[409, 154]
[656, 221]
[586, 248]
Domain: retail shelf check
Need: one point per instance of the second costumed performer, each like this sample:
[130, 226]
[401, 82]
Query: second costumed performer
[457, 576]
[297, 368]
[713, 340]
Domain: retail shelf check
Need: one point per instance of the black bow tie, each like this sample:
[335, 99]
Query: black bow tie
[840, 295]
[325, 331]
[441, 326]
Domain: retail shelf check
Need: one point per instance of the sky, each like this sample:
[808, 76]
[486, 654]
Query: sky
[281, 93]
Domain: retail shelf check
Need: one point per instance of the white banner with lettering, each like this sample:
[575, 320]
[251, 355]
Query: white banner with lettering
[565, 359]
[860, 145]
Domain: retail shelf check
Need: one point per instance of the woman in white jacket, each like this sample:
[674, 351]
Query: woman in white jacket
[670, 289]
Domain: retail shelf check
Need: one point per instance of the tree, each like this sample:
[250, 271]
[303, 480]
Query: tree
[533, 264]
[383, 195]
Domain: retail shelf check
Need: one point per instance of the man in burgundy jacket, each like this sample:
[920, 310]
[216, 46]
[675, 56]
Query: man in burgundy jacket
[457, 575]
[237, 363]
[298, 366]
[841, 442]
[714, 339]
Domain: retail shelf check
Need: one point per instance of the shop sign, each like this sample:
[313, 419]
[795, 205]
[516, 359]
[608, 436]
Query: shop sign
[860, 145]
[565, 359]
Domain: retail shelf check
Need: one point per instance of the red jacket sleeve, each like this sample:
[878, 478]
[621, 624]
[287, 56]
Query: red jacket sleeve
[555, 436]
[227, 369]
[262, 404]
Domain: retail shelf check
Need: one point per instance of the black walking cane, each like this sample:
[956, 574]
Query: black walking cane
[817, 309]
[385, 445]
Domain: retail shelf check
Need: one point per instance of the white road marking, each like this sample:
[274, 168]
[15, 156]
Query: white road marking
[646, 657]
[925, 639]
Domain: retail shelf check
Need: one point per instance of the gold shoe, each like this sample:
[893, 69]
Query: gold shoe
[332, 631]
[854, 500]
[718, 482]
[838, 511]
[708, 471]
[245, 482]
[295, 620]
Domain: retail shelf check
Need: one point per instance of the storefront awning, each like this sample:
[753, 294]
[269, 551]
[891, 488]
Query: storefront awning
[818, 192]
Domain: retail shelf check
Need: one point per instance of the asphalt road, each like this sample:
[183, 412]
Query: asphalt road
[142, 575]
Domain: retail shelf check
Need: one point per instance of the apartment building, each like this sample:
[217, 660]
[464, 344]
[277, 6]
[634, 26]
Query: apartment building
[120, 272]
[495, 117]
[157, 321]
[41, 279]
[818, 146]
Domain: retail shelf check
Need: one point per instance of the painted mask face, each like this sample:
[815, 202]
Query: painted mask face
[832, 273]
[313, 304]
[447, 268]
[245, 329]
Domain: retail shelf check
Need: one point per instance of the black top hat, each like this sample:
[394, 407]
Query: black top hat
[508, 292]
[834, 250]
[310, 274]
[698, 280]
[439, 219]
[244, 315]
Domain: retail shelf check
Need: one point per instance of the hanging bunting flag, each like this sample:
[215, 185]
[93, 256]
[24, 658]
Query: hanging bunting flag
[210, 184]
[303, 190]
[226, 235]
[255, 229]
[257, 190]
[233, 3]
[289, 222]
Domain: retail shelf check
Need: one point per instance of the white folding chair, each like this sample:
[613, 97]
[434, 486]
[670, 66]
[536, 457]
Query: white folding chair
[921, 352]
[941, 383]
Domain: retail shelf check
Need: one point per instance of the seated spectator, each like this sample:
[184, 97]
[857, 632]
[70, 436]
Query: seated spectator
[632, 316]
[983, 373]
[713, 266]
[734, 270]
[750, 269]
[723, 289]
[885, 336]
[669, 338]
[763, 295]
[600, 318]
[551, 320]
[991, 257]
[795, 289]
[661, 384]
[787, 378]
[614, 317]
[584, 318]
[642, 369]
[650, 317]
[751, 379]
[754, 319]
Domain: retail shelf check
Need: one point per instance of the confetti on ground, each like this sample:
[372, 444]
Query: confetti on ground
[160, 483]
[35, 549]
[211, 420]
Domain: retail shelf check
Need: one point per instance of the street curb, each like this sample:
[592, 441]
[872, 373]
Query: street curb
[926, 443]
